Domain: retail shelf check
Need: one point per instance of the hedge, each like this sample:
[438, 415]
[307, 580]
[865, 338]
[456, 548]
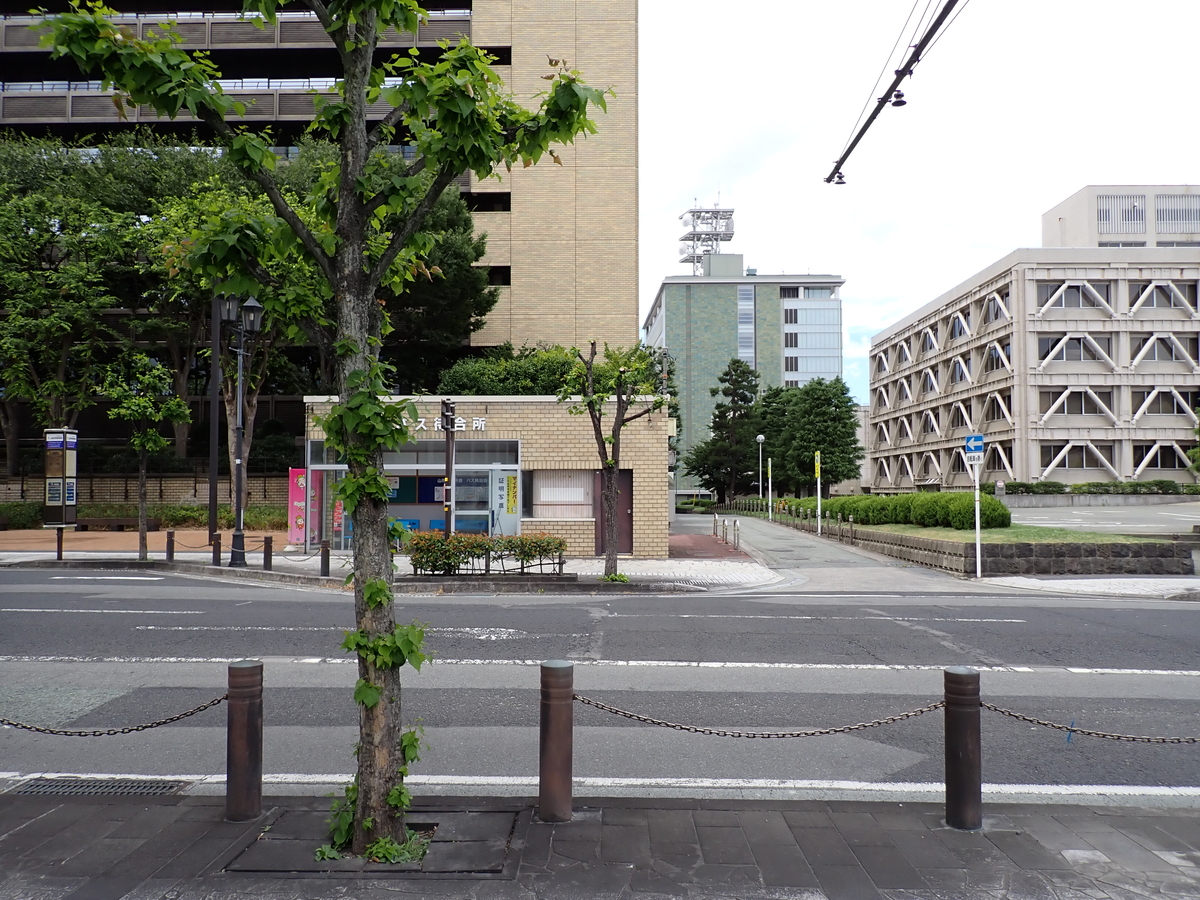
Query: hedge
[928, 509]
[431, 552]
[1157, 486]
[257, 518]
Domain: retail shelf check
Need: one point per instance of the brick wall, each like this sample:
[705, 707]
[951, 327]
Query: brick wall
[181, 490]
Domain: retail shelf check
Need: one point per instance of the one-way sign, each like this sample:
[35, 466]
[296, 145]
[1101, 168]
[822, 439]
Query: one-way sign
[974, 449]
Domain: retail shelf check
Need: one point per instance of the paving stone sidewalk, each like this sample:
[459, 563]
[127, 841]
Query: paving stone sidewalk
[178, 848]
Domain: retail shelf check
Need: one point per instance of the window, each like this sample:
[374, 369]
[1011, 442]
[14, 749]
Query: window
[928, 469]
[1160, 457]
[1074, 349]
[1177, 244]
[1177, 213]
[960, 325]
[928, 383]
[1163, 297]
[932, 422]
[906, 426]
[498, 275]
[902, 391]
[791, 364]
[993, 308]
[792, 339]
[929, 340]
[994, 412]
[1071, 297]
[1078, 457]
[562, 494]
[993, 361]
[1122, 244]
[993, 462]
[903, 356]
[957, 419]
[1121, 213]
[745, 324]
[882, 434]
[1077, 403]
[1164, 403]
[791, 383]
[1164, 350]
[818, 293]
[789, 293]
[958, 465]
[959, 371]
[791, 317]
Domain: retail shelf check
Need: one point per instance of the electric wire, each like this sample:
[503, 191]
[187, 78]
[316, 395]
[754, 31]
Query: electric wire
[887, 62]
[928, 49]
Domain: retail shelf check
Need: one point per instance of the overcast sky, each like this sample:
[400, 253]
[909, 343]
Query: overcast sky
[1019, 105]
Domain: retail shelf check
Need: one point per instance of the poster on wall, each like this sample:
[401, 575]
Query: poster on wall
[296, 506]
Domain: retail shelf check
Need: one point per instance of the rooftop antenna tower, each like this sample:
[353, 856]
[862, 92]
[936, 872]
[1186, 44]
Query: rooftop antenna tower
[707, 230]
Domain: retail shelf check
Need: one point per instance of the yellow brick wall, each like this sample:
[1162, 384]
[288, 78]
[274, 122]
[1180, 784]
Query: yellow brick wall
[552, 438]
[571, 238]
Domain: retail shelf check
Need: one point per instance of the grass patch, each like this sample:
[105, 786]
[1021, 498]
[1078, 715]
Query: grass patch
[1016, 534]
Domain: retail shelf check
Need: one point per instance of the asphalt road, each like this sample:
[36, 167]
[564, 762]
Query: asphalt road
[104, 649]
[1152, 518]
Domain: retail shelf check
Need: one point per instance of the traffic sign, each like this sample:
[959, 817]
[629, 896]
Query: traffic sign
[974, 449]
[817, 462]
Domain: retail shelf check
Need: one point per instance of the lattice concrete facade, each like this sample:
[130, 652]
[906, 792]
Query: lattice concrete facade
[1075, 364]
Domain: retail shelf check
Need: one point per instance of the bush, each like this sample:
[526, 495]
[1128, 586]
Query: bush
[930, 510]
[433, 553]
[22, 515]
[1191, 488]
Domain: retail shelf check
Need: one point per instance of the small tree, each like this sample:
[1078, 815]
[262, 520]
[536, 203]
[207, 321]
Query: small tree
[141, 393]
[822, 416]
[729, 458]
[628, 379]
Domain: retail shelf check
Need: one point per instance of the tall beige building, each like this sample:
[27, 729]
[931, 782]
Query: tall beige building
[562, 239]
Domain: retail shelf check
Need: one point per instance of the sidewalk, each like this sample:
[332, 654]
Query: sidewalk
[178, 848]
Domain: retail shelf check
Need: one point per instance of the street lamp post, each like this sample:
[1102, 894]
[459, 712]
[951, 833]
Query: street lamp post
[760, 440]
[247, 318]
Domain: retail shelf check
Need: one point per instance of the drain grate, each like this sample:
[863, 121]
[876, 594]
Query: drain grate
[134, 787]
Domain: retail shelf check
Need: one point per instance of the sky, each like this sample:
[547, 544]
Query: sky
[1019, 105]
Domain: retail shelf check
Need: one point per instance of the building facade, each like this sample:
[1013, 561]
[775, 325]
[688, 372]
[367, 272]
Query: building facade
[1076, 363]
[562, 240]
[521, 465]
[787, 327]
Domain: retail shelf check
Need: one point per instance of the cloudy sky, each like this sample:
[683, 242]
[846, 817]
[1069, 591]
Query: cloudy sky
[1019, 105]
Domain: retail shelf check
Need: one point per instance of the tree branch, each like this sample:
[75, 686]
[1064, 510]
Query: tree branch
[282, 207]
[381, 198]
[411, 225]
[638, 415]
[326, 20]
[375, 135]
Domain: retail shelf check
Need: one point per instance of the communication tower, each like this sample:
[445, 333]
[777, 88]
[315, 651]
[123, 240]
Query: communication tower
[707, 230]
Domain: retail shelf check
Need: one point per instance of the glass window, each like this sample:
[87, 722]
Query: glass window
[1121, 213]
[818, 292]
[562, 493]
[745, 324]
[791, 317]
[791, 364]
[992, 309]
[791, 339]
[789, 293]
[1177, 213]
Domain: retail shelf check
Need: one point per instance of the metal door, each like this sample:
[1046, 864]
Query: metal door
[624, 511]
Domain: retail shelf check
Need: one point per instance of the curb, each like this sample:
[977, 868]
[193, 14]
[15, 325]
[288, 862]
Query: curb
[403, 585]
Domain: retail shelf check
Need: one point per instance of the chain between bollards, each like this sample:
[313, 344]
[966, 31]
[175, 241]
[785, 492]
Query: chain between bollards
[556, 743]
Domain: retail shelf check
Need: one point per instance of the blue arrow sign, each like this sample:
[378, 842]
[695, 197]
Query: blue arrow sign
[974, 443]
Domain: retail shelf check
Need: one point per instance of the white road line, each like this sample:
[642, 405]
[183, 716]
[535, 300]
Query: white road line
[619, 663]
[482, 634]
[800, 618]
[136, 612]
[106, 577]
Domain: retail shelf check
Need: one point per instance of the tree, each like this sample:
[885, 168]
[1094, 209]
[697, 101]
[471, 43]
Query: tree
[726, 463]
[365, 234]
[627, 379]
[821, 415]
[140, 392]
[505, 371]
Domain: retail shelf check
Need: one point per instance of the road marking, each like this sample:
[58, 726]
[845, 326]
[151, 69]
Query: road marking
[482, 634]
[801, 618]
[106, 577]
[623, 663]
[142, 612]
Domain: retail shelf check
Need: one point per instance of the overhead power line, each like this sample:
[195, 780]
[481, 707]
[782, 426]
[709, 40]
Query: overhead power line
[892, 94]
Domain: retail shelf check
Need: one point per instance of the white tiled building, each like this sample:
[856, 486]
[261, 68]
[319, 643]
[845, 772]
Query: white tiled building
[1076, 363]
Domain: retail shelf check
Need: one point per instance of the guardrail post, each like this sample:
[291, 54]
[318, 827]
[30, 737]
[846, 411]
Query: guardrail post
[170, 545]
[964, 762]
[556, 742]
[244, 741]
[725, 531]
[216, 545]
[267, 550]
[324, 559]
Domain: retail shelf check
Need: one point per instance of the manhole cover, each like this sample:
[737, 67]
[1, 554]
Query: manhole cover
[94, 786]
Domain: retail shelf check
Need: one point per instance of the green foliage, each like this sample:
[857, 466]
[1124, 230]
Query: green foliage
[22, 515]
[949, 509]
[726, 464]
[366, 693]
[387, 850]
[386, 651]
[616, 577]
[140, 392]
[1155, 486]
[820, 416]
[433, 553]
[326, 851]
[1027, 487]
[504, 371]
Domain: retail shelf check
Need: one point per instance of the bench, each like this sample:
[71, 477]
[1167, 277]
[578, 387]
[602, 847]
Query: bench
[114, 524]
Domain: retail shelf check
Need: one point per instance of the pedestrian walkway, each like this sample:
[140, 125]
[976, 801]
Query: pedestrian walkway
[179, 847]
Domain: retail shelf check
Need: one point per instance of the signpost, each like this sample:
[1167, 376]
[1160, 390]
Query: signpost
[770, 494]
[817, 464]
[973, 452]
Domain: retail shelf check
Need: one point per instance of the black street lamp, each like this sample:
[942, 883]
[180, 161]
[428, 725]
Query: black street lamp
[246, 317]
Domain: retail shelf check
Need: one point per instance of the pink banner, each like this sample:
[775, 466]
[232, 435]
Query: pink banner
[296, 503]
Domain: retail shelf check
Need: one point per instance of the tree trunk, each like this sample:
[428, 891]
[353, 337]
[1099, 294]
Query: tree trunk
[143, 552]
[183, 429]
[249, 411]
[611, 483]
[12, 436]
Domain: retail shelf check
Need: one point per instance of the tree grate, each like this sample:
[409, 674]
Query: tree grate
[100, 786]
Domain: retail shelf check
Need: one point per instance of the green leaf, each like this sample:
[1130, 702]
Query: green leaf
[366, 693]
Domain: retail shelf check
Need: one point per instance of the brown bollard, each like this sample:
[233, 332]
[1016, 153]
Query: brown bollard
[216, 545]
[170, 545]
[59, 544]
[556, 741]
[244, 742]
[324, 559]
[267, 561]
[964, 762]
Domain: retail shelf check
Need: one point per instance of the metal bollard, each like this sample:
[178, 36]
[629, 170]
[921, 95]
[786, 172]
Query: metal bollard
[725, 530]
[556, 742]
[324, 559]
[59, 544]
[964, 763]
[737, 535]
[170, 545]
[216, 545]
[244, 742]
[267, 549]
[716, 518]
[839, 524]
[851, 529]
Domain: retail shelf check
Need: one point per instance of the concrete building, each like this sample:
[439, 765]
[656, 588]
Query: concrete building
[522, 465]
[1076, 363]
[787, 327]
[562, 240]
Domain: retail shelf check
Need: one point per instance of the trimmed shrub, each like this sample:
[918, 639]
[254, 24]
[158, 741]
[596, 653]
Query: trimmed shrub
[433, 553]
[22, 515]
